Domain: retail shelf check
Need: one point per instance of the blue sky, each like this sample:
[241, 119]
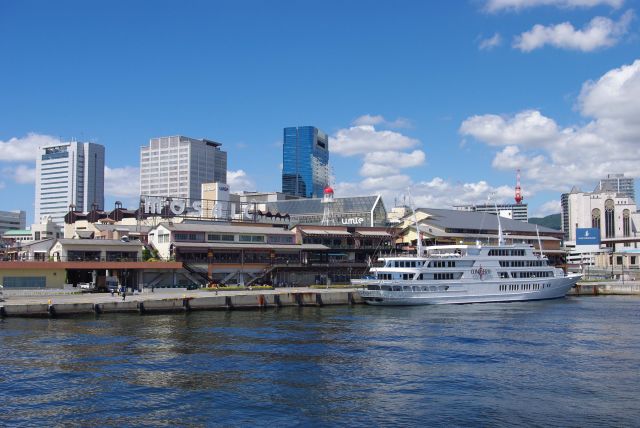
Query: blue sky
[448, 98]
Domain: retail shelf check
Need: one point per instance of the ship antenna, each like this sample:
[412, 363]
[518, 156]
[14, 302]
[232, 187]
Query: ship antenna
[415, 220]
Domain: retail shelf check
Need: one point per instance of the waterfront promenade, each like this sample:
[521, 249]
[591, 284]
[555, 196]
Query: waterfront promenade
[174, 300]
[180, 300]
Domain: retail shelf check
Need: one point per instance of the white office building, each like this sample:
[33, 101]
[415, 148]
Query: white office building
[68, 174]
[178, 166]
[624, 186]
[12, 220]
[518, 212]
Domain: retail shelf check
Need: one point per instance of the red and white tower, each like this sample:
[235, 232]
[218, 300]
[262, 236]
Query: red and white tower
[519, 196]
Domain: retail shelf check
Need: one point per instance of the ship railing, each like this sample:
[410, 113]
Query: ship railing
[445, 255]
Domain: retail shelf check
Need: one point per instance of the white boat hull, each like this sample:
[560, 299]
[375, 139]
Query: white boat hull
[470, 292]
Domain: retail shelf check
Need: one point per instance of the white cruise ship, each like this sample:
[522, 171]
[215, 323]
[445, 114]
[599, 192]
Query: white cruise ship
[465, 274]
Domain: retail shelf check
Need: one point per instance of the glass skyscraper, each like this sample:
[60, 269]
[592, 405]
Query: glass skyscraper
[305, 161]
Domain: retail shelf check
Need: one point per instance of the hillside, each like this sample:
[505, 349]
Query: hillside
[552, 221]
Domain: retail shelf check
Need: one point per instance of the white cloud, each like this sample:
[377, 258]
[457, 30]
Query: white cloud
[490, 43]
[122, 182]
[529, 127]
[434, 193]
[23, 174]
[365, 138]
[615, 95]
[601, 32]
[555, 159]
[549, 207]
[517, 5]
[510, 159]
[25, 148]
[378, 164]
[368, 119]
[239, 181]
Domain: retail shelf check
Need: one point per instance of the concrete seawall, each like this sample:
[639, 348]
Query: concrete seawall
[149, 304]
[605, 288]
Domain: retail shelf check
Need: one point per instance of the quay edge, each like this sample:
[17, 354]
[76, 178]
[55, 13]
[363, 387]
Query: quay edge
[150, 305]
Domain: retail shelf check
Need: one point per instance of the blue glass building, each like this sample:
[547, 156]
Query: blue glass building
[305, 161]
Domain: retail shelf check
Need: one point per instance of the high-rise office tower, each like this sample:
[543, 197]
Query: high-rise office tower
[618, 183]
[67, 174]
[305, 161]
[178, 166]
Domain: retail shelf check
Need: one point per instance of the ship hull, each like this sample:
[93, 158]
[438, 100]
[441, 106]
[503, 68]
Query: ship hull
[471, 292]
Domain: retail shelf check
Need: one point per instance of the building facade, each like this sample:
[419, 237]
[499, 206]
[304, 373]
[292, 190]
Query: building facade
[305, 161]
[12, 220]
[610, 213]
[624, 186]
[67, 174]
[177, 166]
[350, 211]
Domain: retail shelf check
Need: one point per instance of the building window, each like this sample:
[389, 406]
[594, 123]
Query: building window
[609, 219]
[186, 237]
[218, 237]
[595, 218]
[626, 223]
[24, 282]
[251, 238]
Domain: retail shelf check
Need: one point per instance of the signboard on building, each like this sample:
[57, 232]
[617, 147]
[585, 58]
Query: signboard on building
[587, 236]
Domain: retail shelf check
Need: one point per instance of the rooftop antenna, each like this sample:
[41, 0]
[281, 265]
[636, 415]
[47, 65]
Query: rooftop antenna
[518, 196]
[415, 221]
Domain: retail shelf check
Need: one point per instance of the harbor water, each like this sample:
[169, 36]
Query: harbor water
[567, 362]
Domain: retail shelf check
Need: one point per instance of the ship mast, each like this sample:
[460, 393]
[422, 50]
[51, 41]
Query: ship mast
[500, 236]
[415, 221]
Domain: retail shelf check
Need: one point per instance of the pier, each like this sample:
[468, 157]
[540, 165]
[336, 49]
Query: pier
[167, 301]
[179, 300]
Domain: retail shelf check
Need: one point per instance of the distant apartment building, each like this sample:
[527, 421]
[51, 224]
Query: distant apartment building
[305, 162]
[67, 174]
[624, 186]
[177, 166]
[518, 212]
[12, 220]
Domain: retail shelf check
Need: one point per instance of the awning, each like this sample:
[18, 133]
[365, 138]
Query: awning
[380, 233]
[245, 246]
